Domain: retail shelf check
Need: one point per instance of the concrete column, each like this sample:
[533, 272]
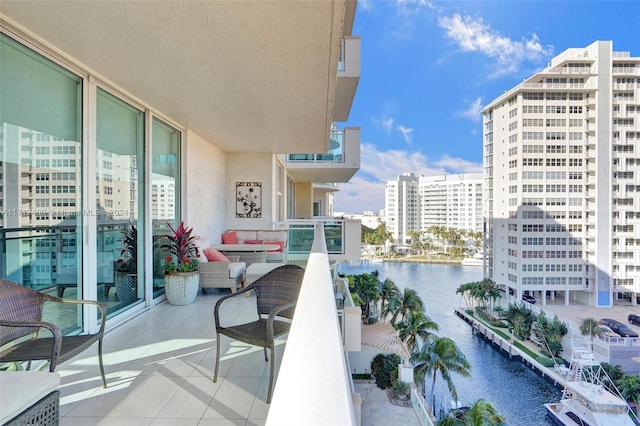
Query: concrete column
[566, 297]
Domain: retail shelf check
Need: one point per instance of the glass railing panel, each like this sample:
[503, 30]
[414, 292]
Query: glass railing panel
[301, 234]
[335, 153]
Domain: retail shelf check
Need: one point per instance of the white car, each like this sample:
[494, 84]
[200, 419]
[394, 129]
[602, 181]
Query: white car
[606, 331]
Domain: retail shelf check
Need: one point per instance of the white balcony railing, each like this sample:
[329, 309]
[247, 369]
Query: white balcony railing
[320, 395]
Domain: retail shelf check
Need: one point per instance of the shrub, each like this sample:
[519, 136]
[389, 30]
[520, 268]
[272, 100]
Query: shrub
[469, 311]
[400, 389]
[360, 376]
[546, 362]
[545, 353]
[383, 367]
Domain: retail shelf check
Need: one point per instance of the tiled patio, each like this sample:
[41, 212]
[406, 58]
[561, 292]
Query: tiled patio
[160, 372]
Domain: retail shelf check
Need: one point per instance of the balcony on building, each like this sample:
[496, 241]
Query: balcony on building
[337, 164]
[348, 77]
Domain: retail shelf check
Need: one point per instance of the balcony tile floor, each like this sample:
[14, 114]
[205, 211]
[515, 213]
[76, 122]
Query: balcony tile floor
[160, 368]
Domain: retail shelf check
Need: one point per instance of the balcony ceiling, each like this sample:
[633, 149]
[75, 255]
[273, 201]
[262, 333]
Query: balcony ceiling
[244, 75]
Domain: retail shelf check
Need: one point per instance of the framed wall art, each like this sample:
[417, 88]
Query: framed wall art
[249, 199]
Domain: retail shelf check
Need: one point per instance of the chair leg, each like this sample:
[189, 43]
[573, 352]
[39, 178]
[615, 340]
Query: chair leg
[215, 375]
[271, 367]
[104, 380]
[265, 354]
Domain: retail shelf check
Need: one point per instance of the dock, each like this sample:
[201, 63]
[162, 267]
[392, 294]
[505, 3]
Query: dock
[509, 348]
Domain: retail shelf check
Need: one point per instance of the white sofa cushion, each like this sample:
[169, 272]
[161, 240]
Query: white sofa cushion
[236, 269]
[22, 389]
[272, 236]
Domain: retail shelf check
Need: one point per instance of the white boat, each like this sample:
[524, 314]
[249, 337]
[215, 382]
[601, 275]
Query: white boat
[476, 260]
[585, 399]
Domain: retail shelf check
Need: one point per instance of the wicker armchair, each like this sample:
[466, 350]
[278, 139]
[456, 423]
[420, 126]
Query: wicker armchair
[222, 274]
[21, 315]
[276, 296]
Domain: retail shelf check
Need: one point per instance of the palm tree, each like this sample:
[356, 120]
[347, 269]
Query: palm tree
[629, 387]
[465, 290]
[406, 301]
[521, 319]
[481, 413]
[414, 326]
[589, 327]
[439, 354]
[388, 292]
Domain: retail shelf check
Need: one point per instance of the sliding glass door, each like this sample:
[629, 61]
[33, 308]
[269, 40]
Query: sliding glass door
[41, 176]
[119, 201]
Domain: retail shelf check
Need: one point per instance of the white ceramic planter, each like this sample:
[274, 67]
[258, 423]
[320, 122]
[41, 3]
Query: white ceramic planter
[181, 288]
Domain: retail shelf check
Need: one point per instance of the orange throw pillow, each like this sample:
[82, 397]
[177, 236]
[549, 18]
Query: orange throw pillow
[214, 255]
[230, 238]
[280, 243]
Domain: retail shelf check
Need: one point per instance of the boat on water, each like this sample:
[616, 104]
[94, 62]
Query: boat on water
[476, 260]
[586, 401]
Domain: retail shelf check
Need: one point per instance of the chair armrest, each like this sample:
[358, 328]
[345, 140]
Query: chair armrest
[91, 302]
[228, 296]
[55, 331]
[273, 314]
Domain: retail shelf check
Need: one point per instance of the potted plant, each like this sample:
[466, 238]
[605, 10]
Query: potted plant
[181, 279]
[126, 279]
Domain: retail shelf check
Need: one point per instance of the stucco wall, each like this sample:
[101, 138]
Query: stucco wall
[304, 200]
[250, 167]
[205, 181]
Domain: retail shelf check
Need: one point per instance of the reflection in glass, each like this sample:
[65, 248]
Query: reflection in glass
[165, 193]
[40, 176]
[120, 142]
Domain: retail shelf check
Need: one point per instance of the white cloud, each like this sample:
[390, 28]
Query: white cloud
[473, 35]
[406, 134]
[385, 122]
[366, 5]
[365, 191]
[473, 111]
[411, 7]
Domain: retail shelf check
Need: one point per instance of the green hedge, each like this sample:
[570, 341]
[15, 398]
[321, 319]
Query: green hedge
[546, 362]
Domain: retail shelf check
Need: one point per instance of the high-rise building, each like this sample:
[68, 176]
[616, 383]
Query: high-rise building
[401, 206]
[452, 201]
[415, 203]
[562, 180]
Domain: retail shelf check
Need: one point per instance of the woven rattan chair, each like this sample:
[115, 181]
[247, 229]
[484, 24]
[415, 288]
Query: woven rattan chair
[21, 316]
[276, 297]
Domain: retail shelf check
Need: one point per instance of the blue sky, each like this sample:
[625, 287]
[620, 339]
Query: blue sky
[429, 67]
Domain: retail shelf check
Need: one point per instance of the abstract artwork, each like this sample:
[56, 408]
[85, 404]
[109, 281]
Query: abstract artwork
[249, 199]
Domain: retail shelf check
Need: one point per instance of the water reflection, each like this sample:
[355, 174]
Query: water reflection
[517, 392]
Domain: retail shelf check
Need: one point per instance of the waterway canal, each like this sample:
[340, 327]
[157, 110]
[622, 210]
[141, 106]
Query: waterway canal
[517, 392]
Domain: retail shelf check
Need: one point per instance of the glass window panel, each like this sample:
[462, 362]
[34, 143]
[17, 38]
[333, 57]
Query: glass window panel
[165, 192]
[40, 177]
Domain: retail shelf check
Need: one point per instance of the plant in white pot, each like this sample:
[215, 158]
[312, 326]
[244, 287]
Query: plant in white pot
[181, 279]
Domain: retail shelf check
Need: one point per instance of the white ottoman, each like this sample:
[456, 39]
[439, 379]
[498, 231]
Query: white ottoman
[29, 395]
[256, 270]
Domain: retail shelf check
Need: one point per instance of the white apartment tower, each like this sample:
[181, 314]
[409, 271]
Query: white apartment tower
[452, 201]
[402, 207]
[562, 180]
[415, 203]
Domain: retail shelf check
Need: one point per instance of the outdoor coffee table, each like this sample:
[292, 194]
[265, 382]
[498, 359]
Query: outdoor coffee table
[256, 270]
[248, 253]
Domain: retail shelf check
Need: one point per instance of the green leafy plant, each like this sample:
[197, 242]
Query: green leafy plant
[127, 262]
[182, 249]
[385, 368]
